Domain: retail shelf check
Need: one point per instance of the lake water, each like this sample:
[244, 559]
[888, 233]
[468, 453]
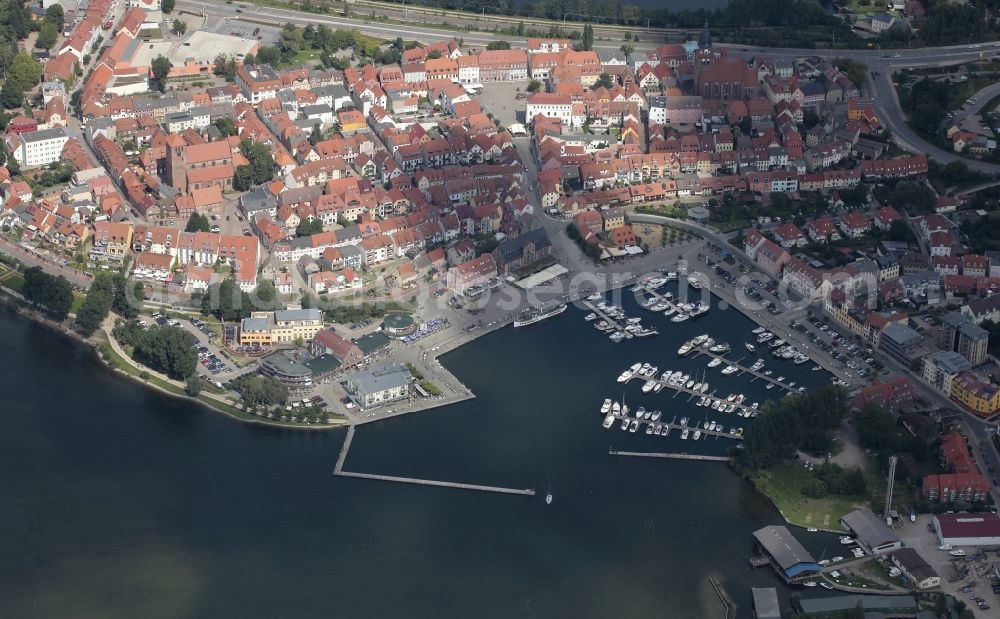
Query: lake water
[120, 502]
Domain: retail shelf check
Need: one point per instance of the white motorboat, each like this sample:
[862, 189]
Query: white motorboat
[684, 434]
[639, 412]
[617, 336]
[689, 384]
[609, 420]
[758, 331]
[606, 406]
[684, 421]
[625, 424]
[730, 369]
[647, 414]
[680, 317]
[590, 316]
[697, 435]
[648, 386]
[634, 426]
[649, 428]
[656, 415]
[714, 363]
[715, 404]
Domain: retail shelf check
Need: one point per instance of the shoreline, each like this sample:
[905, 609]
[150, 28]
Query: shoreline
[11, 303]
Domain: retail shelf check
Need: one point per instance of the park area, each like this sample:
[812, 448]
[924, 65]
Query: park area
[784, 484]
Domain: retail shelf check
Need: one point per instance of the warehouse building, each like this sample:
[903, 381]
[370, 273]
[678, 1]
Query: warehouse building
[982, 529]
[790, 559]
[914, 568]
[872, 533]
[765, 603]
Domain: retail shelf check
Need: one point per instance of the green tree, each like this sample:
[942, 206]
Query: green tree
[309, 226]
[169, 350]
[587, 41]
[498, 45]
[54, 294]
[315, 136]
[11, 95]
[178, 27]
[128, 296]
[627, 48]
[25, 71]
[226, 301]
[243, 179]
[225, 125]
[260, 390]
[47, 36]
[97, 304]
[434, 54]
[197, 223]
[193, 385]
[161, 66]
[56, 16]
[167, 6]
[604, 81]
[224, 67]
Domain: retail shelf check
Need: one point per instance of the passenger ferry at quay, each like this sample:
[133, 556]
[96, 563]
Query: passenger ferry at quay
[533, 314]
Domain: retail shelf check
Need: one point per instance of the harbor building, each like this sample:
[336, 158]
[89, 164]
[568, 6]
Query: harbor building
[765, 603]
[398, 324]
[960, 334]
[280, 326]
[982, 529]
[871, 532]
[914, 568]
[886, 605]
[379, 385]
[789, 558]
[290, 372]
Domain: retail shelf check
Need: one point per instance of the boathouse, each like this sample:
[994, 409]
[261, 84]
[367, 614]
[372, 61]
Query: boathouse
[790, 559]
[872, 533]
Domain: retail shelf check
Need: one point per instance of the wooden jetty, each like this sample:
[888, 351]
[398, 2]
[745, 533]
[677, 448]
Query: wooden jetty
[338, 470]
[668, 455]
[730, 607]
[441, 484]
[344, 449]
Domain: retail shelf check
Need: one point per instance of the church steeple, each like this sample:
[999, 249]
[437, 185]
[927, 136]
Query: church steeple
[705, 38]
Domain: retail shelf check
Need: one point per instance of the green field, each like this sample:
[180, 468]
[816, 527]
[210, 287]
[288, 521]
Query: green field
[783, 485]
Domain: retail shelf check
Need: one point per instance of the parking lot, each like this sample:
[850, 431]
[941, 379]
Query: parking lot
[213, 368]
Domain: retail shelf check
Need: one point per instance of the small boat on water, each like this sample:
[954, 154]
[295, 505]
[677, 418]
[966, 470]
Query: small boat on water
[716, 362]
[769, 386]
[617, 336]
[649, 428]
[750, 347]
[730, 369]
[635, 426]
[656, 415]
[684, 434]
[647, 414]
[680, 317]
[625, 424]
[715, 404]
[590, 316]
[606, 406]
[548, 499]
[609, 421]
[639, 412]
[616, 408]
[684, 421]
[697, 435]
[758, 331]
[648, 386]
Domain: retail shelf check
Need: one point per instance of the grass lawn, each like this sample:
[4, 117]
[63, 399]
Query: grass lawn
[303, 57]
[77, 303]
[783, 485]
[12, 279]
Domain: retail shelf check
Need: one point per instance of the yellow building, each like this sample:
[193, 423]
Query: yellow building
[975, 395]
[613, 218]
[282, 326]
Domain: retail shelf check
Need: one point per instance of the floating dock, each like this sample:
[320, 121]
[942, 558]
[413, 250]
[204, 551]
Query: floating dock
[344, 449]
[694, 394]
[745, 369]
[667, 455]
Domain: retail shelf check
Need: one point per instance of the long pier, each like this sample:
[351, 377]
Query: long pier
[344, 449]
[667, 455]
[338, 471]
[441, 484]
[603, 316]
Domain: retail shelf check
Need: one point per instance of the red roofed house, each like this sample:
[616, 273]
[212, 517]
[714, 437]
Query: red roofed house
[884, 217]
[328, 342]
[822, 230]
[789, 235]
[855, 224]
